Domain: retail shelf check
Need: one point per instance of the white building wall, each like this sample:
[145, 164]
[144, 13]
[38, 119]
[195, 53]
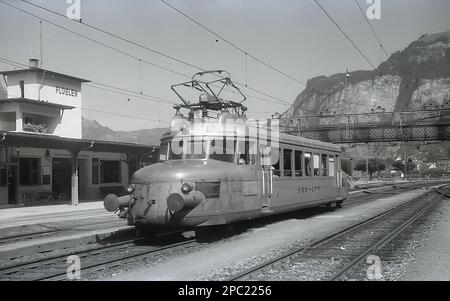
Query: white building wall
[54, 89]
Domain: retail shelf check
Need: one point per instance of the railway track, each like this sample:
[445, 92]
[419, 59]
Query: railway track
[338, 255]
[112, 255]
[54, 268]
[367, 195]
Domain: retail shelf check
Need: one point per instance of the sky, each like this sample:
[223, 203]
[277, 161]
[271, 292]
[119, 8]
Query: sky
[295, 36]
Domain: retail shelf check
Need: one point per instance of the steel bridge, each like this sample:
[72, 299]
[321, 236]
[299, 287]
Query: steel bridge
[425, 125]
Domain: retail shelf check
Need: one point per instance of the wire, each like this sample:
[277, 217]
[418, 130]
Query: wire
[138, 94]
[128, 41]
[233, 44]
[96, 41]
[371, 28]
[86, 108]
[345, 34]
[351, 42]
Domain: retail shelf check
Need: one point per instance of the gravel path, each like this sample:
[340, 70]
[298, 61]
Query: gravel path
[432, 256]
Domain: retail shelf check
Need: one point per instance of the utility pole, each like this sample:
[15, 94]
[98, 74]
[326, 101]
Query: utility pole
[405, 158]
[367, 168]
[40, 42]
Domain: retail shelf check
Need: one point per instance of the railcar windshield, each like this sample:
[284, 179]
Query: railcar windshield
[222, 150]
[178, 149]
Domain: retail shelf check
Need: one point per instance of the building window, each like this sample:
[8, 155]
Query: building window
[29, 171]
[3, 177]
[105, 171]
[110, 172]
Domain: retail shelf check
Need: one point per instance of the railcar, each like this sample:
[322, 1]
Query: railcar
[217, 167]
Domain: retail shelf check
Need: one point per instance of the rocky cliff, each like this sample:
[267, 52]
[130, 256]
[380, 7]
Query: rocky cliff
[408, 80]
[411, 78]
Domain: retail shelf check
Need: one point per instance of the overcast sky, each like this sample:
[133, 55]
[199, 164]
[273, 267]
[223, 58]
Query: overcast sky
[292, 35]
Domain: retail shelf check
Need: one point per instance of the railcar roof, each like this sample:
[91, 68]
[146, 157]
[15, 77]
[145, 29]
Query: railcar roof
[287, 138]
[283, 138]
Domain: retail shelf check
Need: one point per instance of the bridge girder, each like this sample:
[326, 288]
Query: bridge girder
[376, 133]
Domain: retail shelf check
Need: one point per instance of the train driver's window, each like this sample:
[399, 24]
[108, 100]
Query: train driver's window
[298, 163]
[324, 165]
[195, 149]
[176, 149]
[316, 164]
[246, 153]
[287, 162]
[308, 164]
[163, 151]
[331, 166]
[222, 150]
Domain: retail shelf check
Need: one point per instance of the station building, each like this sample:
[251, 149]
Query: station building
[43, 158]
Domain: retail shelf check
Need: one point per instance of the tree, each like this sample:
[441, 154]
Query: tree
[374, 164]
[400, 166]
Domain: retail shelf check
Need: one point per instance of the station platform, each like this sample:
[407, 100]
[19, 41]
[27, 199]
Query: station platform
[50, 213]
[27, 231]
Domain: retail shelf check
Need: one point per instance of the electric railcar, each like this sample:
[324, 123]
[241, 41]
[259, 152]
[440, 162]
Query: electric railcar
[213, 174]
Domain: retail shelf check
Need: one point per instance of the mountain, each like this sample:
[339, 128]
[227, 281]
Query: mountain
[94, 130]
[409, 79]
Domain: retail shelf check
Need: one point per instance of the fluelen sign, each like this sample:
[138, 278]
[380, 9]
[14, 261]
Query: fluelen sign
[66, 91]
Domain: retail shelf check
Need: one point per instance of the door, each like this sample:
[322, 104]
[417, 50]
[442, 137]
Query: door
[13, 184]
[267, 185]
[338, 182]
[61, 177]
[266, 178]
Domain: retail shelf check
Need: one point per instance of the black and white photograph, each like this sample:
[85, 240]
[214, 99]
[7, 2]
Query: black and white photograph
[224, 147]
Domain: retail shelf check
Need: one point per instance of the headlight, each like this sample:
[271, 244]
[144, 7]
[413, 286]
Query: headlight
[131, 188]
[186, 188]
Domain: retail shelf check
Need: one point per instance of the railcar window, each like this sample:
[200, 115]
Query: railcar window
[316, 164]
[324, 165]
[276, 156]
[222, 150]
[287, 159]
[176, 149]
[163, 151]
[308, 164]
[331, 166]
[298, 163]
[195, 150]
[246, 153]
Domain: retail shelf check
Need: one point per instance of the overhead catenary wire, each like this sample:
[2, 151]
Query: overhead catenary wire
[372, 29]
[351, 41]
[232, 44]
[278, 100]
